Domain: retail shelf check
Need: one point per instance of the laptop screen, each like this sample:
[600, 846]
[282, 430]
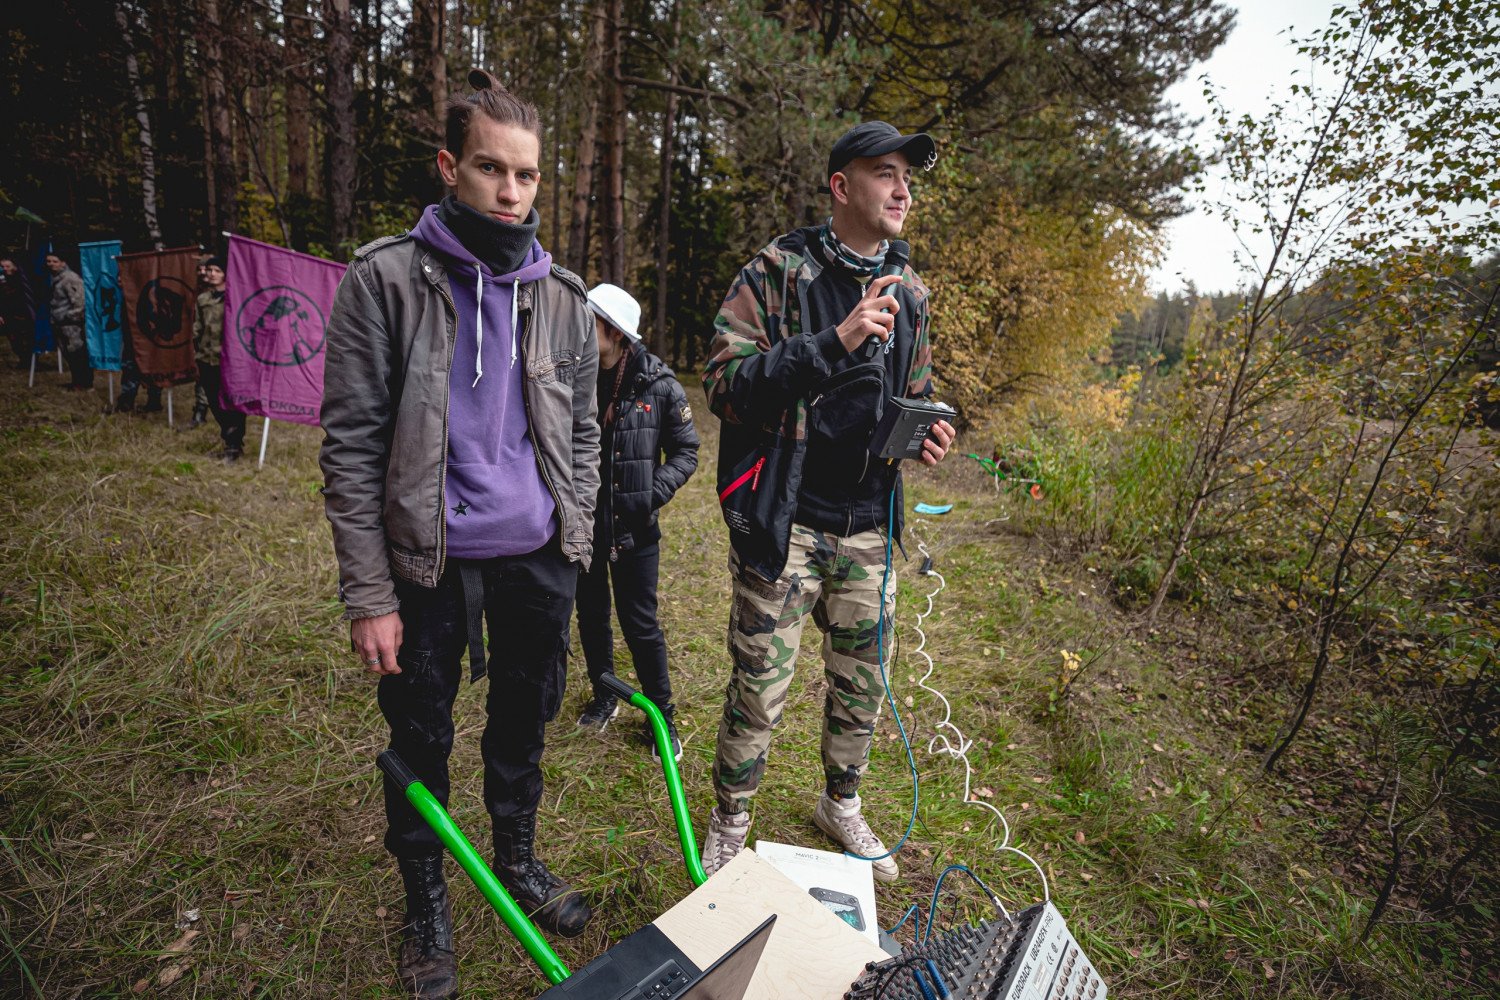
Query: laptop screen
[729, 977]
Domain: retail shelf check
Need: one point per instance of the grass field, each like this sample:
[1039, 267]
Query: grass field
[189, 804]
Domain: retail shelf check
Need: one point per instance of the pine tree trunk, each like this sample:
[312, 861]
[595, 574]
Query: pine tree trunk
[430, 55]
[339, 142]
[612, 222]
[212, 204]
[298, 98]
[583, 169]
[148, 150]
[224, 189]
[664, 222]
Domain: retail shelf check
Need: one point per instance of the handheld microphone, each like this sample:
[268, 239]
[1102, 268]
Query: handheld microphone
[896, 256]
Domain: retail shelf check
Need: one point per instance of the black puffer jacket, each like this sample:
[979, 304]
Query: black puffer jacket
[652, 418]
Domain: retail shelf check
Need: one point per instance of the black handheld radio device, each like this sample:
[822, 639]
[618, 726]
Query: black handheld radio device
[896, 256]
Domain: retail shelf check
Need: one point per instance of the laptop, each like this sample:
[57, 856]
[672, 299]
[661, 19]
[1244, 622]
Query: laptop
[648, 966]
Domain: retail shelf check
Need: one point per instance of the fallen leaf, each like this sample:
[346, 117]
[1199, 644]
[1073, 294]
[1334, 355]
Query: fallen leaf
[171, 974]
[140, 986]
[984, 793]
[1080, 837]
[240, 932]
[381, 912]
[1037, 781]
[370, 839]
[1270, 972]
[1086, 876]
[87, 837]
[1158, 748]
[1202, 904]
[179, 946]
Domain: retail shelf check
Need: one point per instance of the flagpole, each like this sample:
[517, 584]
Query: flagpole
[169, 406]
[265, 432]
[111, 389]
[31, 380]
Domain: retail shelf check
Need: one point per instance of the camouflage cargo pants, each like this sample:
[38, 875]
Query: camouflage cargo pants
[838, 581]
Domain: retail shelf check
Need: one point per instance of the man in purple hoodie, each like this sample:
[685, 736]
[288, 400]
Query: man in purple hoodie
[461, 463]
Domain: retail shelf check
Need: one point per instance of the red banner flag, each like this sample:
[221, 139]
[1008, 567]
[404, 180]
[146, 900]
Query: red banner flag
[159, 289]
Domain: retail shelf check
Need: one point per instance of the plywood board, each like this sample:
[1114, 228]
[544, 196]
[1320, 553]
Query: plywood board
[812, 954]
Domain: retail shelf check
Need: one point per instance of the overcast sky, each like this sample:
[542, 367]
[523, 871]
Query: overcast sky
[1253, 64]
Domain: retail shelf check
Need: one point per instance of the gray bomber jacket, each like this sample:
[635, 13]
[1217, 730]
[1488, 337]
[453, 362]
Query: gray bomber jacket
[385, 416]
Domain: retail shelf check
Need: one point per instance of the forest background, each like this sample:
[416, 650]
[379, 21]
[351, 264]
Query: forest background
[1297, 473]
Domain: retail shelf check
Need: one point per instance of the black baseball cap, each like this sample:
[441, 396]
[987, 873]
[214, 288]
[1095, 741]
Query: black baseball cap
[877, 139]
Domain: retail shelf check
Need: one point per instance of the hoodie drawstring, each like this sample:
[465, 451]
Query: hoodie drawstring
[515, 296]
[478, 325]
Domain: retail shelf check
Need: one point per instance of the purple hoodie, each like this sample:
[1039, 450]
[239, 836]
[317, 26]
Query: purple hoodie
[497, 503]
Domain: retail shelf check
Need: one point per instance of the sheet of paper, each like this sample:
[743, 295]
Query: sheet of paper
[843, 884]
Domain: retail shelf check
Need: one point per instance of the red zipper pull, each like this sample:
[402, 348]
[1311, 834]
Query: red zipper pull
[756, 481]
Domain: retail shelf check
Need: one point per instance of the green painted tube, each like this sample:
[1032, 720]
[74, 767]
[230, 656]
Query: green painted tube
[432, 811]
[674, 787]
[669, 771]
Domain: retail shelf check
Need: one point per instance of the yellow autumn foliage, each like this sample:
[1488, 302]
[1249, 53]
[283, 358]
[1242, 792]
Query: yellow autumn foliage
[1023, 300]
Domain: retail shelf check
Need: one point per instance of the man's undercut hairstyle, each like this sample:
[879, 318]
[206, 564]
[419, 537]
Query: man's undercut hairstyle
[495, 102]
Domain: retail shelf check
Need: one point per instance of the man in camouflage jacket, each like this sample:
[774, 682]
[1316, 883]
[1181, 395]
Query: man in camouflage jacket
[67, 322]
[208, 349]
[806, 352]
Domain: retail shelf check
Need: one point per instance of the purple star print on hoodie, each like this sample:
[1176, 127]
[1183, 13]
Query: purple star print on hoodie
[497, 503]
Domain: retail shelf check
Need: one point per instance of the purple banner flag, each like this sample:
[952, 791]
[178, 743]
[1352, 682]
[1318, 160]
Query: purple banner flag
[276, 305]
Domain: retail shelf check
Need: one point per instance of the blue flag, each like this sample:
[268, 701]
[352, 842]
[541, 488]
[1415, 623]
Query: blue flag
[41, 286]
[101, 302]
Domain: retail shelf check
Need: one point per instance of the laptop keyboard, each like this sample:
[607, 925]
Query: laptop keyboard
[667, 981]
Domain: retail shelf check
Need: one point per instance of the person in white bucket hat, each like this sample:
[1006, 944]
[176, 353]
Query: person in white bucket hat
[618, 308]
[647, 449]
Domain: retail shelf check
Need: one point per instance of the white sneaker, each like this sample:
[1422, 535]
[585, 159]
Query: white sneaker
[726, 838]
[842, 821]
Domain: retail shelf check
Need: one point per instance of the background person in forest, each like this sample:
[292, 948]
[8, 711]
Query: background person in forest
[67, 322]
[460, 486]
[208, 346]
[17, 311]
[643, 416]
[798, 398]
[200, 395]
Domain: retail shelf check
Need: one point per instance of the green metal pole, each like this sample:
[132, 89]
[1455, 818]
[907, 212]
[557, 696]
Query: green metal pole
[432, 811]
[669, 771]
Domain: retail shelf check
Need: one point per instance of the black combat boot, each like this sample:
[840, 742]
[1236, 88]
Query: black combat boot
[200, 417]
[547, 899]
[428, 967]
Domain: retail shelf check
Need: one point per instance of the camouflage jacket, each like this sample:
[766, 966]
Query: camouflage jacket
[67, 299]
[208, 327]
[773, 359]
